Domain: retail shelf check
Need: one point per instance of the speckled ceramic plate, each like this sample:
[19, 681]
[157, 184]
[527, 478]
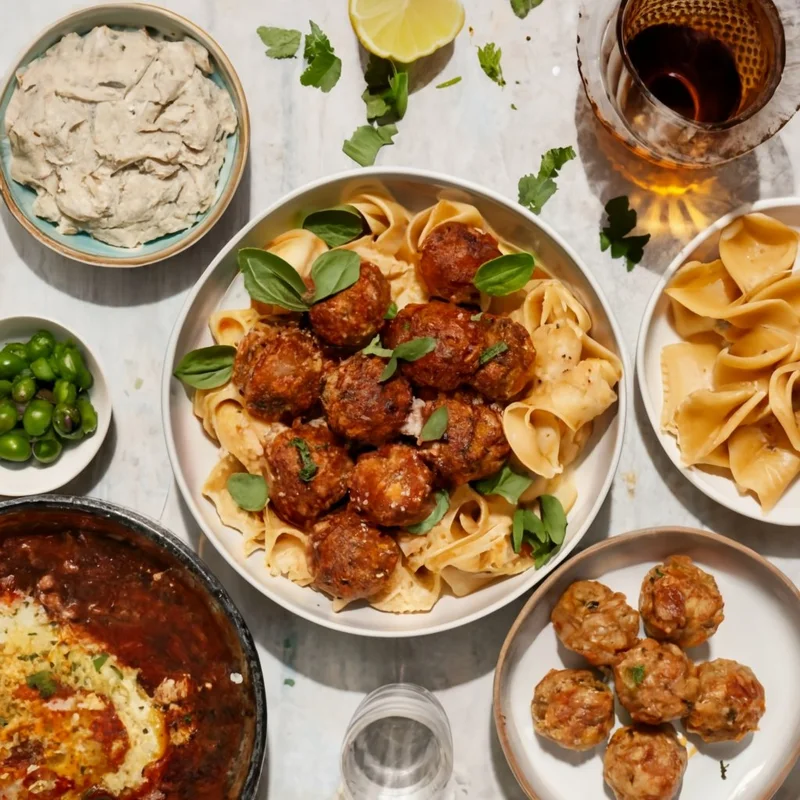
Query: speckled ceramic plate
[81, 246]
[658, 331]
[761, 629]
[193, 454]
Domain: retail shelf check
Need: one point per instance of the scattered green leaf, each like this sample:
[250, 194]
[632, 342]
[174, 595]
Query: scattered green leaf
[270, 279]
[43, 682]
[414, 349]
[280, 42]
[324, 68]
[543, 535]
[98, 661]
[523, 7]
[504, 275]
[138, 383]
[554, 518]
[288, 681]
[637, 673]
[451, 82]
[388, 370]
[506, 483]
[513, 107]
[536, 190]
[333, 272]
[365, 143]
[489, 58]
[621, 221]
[723, 770]
[308, 469]
[207, 367]
[391, 312]
[335, 226]
[375, 348]
[492, 352]
[386, 95]
[435, 426]
[249, 491]
[435, 517]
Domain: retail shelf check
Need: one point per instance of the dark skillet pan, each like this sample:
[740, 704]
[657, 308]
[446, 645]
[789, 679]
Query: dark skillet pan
[52, 514]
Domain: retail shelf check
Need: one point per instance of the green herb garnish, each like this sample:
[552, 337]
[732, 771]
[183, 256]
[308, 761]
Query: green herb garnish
[492, 352]
[249, 491]
[523, 7]
[98, 661]
[545, 535]
[333, 272]
[435, 517]
[365, 143]
[269, 279]
[637, 674]
[308, 468]
[288, 681]
[43, 682]
[374, 348]
[391, 312]
[412, 350]
[504, 275]
[536, 190]
[489, 58]
[435, 426]
[280, 42]
[386, 95]
[723, 770]
[451, 82]
[323, 67]
[335, 226]
[621, 221]
[506, 483]
[207, 367]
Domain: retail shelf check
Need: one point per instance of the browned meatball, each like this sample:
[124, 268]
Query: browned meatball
[350, 559]
[645, 763]
[279, 370]
[573, 708]
[392, 486]
[474, 444]
[450, 257]
[656, 682]
[358, 406]
[680, 603]
[459, 343]
[730, 703]
[506, 360]
[352, 317]
[308, 473]
[594, 621]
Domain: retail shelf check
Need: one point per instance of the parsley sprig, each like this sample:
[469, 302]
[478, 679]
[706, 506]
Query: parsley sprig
[536, 190]
[621, 221]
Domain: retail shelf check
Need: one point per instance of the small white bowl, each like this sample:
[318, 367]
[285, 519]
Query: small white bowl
[31, 477]
[657, 331]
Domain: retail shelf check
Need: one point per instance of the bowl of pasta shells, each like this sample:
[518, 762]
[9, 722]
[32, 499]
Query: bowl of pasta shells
[718, 361]
[394, 402]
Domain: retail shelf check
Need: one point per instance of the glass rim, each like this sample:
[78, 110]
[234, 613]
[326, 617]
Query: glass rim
[775, 73]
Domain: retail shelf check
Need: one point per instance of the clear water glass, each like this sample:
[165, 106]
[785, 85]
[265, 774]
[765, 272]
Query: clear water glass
[398, 745]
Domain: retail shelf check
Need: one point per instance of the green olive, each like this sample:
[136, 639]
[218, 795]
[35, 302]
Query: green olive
[23, 390]
[15, 446]
[67, 364]
[8, 416]
[42, 370]
[40, 345]
[5, 388]
[47, 450]
[88, 414]
[65, 392]
[37, 417]
[18, 349]
[67, 421]
[10, 365]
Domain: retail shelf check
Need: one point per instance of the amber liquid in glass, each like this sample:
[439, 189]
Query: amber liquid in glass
[688, 70]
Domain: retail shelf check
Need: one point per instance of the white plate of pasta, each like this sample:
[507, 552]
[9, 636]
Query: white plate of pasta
[719, 361]
[401, 402]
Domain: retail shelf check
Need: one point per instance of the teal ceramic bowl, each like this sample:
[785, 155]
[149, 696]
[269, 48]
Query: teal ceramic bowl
[82, 246]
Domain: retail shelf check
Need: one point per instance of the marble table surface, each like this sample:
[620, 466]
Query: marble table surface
[469, 130]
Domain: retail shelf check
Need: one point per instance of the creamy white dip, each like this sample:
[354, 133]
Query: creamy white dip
[122, 135]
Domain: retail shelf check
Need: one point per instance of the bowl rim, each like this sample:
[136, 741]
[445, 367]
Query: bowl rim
[238, 97]
[430, 177]
[91, 448]
[191, 561]
[500, 673]
[653, 415]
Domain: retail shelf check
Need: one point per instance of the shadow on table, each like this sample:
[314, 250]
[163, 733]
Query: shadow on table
[502, 772]
[126, 286]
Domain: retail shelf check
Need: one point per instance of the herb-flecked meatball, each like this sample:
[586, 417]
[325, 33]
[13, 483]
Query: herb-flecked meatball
[349, 558]
[656, 682]
[279, 371]
[459, 343]
[680, 602]
[730, 703]
[573, 708]
[358, 406]
[645, 763]
[451, 255]
[392, 486]
[472, 446]
[594, 621]
[353, 316]
[308, 473]
[505, 363]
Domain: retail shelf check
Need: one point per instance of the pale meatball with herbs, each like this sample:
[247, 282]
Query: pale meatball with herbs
[645, 763]
[656, 682]
[680, 603]
[730, 703]
[573, 708]
[594, 621]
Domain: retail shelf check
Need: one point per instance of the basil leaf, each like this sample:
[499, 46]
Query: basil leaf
[388, 370]
[523, 7]
[543, 554]
[98, 661]
[270, 279]
[207, 367]
[281, 42]
[43, 682]
[506, 483]
[554, 518]
[415, 348]
[391, 312]
[435, 426]
[249, 491]
[435, 517]
[517, 530]
[492, 352]
[335, 226]
[324, 67]
[374, 348]
[534, 526]
[386, 95]
[505, 274]
[308, 469]
[333, 272]
[366, 141]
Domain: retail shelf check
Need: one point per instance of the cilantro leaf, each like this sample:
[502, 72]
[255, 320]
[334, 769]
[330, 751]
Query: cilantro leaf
[536, 190]
[386, 95]
[489, 58]
[324, 67]
[280, 42]
[621, 221]
[523, 7]
[366, 141]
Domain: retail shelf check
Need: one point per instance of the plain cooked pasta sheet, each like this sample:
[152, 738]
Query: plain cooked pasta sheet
[731, 390]
[548, 426]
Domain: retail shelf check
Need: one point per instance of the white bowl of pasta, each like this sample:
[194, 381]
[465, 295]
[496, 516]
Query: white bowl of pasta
[500, 414]
[718, 361]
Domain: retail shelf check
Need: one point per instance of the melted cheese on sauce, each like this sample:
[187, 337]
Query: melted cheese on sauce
[97, 697]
